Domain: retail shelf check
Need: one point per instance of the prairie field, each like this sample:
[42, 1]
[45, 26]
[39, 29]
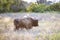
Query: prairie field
[48, 29]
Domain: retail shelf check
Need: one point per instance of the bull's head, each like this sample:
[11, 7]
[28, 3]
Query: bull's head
[35, 23]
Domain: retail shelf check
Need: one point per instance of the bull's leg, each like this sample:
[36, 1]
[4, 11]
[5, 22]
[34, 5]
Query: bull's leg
[29, 26]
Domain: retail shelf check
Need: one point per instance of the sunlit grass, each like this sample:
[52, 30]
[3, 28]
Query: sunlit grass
[55, 36]
[47, 30]
[6, 23]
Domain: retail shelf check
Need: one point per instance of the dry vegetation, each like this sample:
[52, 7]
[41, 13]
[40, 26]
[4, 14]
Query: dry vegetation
[47, 30]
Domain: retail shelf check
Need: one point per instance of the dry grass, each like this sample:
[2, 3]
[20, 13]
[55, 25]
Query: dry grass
[45, 31]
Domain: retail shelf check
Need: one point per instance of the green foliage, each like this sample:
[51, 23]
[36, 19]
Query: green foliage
[5, 5]
[36, 7]
[20, 6]
[54, 7]
[42, 8]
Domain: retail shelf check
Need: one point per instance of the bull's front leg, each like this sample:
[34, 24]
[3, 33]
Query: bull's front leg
[29, 26]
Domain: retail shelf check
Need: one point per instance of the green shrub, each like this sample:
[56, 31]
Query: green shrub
[36, 7]
[53, 7]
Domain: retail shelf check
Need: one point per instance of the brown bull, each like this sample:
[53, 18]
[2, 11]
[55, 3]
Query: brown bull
[27, 23]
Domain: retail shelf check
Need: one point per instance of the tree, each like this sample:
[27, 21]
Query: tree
[12, 5]
[21, 6]
[5, 5]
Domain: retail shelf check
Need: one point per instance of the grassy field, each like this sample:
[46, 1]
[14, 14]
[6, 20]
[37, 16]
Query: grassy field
[48, 29]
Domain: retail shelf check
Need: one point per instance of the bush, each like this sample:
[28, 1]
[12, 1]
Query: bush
[53, 7]
[12, 6]
[36, 7]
